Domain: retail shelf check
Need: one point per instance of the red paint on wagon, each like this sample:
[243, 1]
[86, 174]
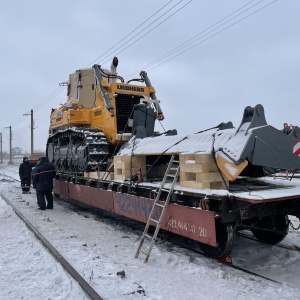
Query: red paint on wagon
[190, 222]
[93, 196]
[61, 188]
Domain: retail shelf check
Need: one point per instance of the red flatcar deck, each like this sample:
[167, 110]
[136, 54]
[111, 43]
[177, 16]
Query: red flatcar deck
[192, 222]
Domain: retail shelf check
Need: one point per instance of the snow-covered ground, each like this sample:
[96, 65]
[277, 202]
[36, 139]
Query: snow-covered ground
[99, 247]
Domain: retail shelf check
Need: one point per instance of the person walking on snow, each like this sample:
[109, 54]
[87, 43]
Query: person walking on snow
[42, 178]
[25, 175]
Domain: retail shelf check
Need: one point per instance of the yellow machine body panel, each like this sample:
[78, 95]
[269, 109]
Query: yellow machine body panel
[71, 117]
[86, 105]
[103, 120]
[101, 113]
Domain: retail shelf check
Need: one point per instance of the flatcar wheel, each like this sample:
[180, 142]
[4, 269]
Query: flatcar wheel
[278, 223]
[225, 234]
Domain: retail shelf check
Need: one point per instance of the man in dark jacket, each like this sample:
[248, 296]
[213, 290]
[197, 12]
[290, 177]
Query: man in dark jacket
[33, 172]
[43, 182]
[25, 175]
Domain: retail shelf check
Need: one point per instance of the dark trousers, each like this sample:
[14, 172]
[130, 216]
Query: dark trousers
[41, 199]
[25, 184]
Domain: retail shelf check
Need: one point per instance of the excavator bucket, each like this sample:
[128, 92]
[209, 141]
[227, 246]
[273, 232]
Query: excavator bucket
[253, 149]
[229, 168]
[257, 145]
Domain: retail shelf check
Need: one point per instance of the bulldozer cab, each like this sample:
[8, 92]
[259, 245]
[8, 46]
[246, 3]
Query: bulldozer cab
[82, 88]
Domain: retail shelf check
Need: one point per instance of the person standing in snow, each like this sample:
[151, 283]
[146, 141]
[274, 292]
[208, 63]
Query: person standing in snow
[25, 175]
[33, 171]
[42, 178]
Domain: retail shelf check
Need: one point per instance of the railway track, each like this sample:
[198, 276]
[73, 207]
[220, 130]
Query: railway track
[172, 238]
[9, 177]
[280, 245]
[226, 261]
[88, 289]
[140, 227]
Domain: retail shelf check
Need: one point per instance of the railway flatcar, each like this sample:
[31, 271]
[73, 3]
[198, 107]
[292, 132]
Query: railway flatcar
[205, 186]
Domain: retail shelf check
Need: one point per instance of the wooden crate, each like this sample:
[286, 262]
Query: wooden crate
[127, 166]
[99, 175]
[199, 171]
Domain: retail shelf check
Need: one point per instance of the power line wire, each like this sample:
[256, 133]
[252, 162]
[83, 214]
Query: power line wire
[60, 89]
[196, 37]
[170, 52]
[130, 33]
[49, 97]
[213, 35]
[110, 57]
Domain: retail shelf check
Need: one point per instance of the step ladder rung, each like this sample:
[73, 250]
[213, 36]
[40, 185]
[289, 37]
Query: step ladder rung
[153, 220]
[164, 206]
[145, 253]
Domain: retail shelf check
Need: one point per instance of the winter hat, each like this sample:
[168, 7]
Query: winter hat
[25, 158]
[44, 160]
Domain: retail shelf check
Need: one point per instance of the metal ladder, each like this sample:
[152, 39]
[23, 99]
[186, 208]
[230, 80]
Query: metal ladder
[172, 166]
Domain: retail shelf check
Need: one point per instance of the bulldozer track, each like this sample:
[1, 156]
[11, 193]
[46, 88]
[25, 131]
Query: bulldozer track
[76, 150]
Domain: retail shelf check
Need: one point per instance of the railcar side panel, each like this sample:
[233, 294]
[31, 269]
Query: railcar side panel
[192, 223]
[92, 196]
[61, 188]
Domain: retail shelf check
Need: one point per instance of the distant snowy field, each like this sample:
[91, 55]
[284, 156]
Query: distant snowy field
[98, 248]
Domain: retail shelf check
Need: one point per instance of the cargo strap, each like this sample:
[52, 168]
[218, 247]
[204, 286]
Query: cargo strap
[159, 205]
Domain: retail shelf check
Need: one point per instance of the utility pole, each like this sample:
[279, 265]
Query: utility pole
[10, 146]
[31, 129]
[1, 155]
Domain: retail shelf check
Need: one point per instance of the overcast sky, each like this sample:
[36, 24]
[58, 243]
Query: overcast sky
[255, 61]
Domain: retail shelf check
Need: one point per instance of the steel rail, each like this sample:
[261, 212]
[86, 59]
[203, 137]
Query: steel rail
[12, 178]
[174, 239]
[81, 281]
[279, 245]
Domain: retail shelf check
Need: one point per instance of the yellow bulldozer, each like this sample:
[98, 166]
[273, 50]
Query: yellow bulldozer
[101, 113]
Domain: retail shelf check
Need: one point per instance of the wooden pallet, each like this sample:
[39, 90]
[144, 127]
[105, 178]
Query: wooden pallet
[199, 171]
[127, 166]
[99, 175]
